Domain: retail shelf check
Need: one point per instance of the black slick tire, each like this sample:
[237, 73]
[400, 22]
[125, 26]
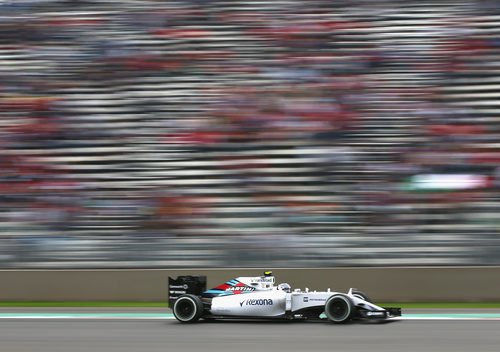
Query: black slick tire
[188, 308]
[339, 309]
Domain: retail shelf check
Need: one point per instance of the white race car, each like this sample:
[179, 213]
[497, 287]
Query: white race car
[258, 297]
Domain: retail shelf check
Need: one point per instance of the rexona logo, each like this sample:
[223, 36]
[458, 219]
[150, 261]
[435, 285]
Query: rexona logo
[257, 302]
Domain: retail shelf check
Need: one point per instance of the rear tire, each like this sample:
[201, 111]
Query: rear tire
[339, 309]
[188, 308]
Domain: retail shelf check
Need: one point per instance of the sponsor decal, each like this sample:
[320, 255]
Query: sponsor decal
[312, 299]
[240, 288]
[178, 292]
[263, 279]
[375, 314]
[231, 287]
[185, 287]
[257, 302]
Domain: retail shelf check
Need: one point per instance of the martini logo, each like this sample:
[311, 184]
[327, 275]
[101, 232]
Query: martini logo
[233, 287]
[240, 289]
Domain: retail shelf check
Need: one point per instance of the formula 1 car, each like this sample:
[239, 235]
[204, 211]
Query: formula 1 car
[258, 297]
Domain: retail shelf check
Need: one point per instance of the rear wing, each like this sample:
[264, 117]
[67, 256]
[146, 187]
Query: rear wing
[194, 285]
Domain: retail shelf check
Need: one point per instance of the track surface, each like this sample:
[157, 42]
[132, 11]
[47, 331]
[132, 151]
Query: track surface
[122, 334]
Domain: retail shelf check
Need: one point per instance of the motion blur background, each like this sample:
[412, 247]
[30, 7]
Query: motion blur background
[213, 133]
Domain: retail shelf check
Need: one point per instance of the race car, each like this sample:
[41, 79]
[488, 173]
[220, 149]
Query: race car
[259, 297]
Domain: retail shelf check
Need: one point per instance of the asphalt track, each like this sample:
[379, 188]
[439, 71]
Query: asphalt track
[144, 330]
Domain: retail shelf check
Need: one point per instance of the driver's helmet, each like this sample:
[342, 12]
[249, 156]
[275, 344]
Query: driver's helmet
[285, 287]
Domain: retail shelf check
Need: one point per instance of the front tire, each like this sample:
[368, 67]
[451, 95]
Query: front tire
[339, 309]
[188, 308]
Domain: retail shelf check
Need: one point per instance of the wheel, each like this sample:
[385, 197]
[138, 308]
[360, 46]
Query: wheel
[188, 308]
[361, 295]
[339, 309]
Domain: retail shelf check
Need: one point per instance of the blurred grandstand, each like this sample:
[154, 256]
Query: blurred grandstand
[192, 133]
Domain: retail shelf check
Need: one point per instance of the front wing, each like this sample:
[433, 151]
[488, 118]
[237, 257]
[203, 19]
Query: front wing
[388, 312]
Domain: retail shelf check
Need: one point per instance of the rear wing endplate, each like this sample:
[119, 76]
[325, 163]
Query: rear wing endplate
[194, 285]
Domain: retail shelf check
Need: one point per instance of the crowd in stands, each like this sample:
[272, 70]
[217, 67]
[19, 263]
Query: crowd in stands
[184, 133]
